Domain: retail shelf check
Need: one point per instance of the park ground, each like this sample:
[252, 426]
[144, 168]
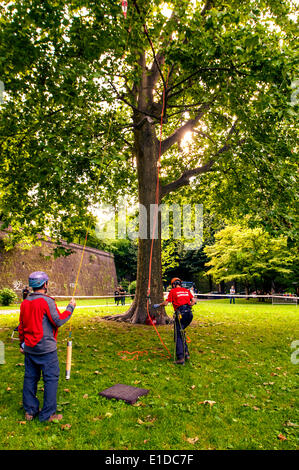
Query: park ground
[237, 392]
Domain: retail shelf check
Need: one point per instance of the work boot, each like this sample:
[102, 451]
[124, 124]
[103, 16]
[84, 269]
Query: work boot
[180, 361]
[55, 417]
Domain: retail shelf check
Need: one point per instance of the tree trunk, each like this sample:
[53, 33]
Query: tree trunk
[147, 157]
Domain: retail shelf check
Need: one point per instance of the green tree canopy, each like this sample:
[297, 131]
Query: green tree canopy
[71, 72]
[85, 91]
[247, 255]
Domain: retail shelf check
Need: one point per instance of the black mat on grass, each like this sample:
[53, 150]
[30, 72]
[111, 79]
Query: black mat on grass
[124, 392]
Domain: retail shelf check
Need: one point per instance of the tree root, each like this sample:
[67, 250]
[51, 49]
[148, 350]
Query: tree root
[120, 317]
[131, 316]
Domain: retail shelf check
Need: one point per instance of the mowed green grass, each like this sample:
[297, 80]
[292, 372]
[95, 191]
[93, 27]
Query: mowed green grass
[237, 392]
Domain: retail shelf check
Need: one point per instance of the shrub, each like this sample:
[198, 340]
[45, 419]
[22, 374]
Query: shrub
[7, 296]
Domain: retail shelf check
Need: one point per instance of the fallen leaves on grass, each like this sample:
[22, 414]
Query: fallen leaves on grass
[66, 426]
[207, 402]
[148, 421]
[66, 390]
[192, 440]
[140, 403]
[98, 418]
[290, 424]
[281, 437]
[255, 408]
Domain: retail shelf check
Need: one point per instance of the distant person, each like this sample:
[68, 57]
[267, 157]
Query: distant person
[232, 293]
[116, 296]
[38, 328]
[25, 292]
[122, 294]
[182, 301]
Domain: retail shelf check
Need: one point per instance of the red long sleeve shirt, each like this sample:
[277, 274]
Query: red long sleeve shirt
[39, 323]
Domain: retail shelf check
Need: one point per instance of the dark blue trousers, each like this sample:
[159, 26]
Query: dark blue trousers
[182, 323]
[48, 365]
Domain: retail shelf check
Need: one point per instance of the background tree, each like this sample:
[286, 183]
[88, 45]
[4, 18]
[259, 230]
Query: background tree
[248, 255]
[85, 93]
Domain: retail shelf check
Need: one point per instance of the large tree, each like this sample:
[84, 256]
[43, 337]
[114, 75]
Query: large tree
[87, 90]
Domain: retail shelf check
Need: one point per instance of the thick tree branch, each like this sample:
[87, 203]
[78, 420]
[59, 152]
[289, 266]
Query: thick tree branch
[155, 71]
[158, 58]
[188, 126]
[184, 179]
[205, 135]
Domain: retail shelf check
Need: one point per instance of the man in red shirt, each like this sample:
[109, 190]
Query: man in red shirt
[182, 301]
[38, 328]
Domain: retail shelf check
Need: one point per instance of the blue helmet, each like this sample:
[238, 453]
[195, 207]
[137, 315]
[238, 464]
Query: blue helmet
[37, 279]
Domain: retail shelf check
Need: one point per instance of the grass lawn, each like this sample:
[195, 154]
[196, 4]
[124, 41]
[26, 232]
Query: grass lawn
[237, 392]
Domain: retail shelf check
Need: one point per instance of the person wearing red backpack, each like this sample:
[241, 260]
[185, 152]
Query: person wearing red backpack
[182, 301]
[38, 328]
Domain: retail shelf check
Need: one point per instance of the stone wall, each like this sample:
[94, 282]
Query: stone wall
[97, 275]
